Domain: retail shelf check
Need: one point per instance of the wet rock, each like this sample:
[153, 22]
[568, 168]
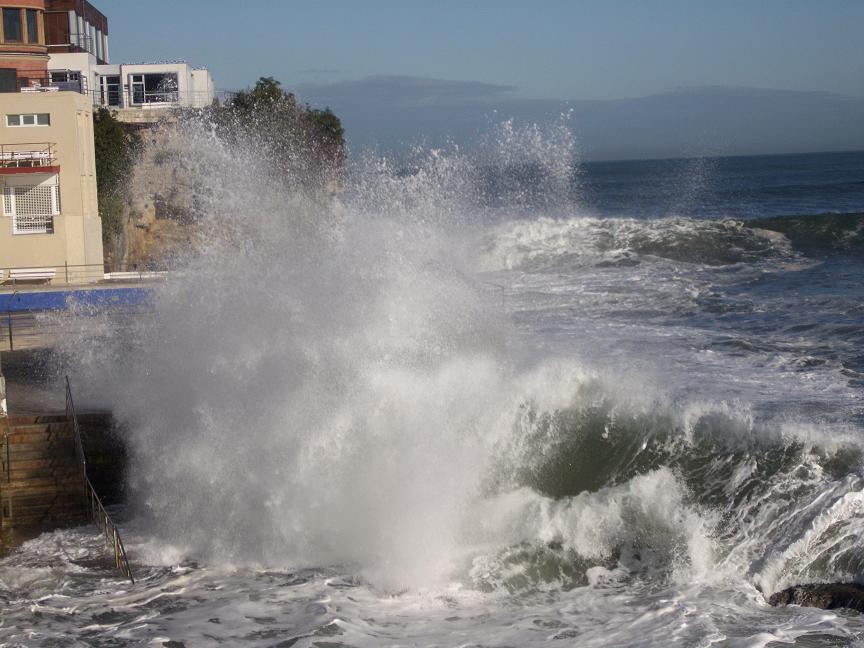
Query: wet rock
[827, 596]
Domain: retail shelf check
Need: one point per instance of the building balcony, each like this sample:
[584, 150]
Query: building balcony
[56, 81]
[32, 157]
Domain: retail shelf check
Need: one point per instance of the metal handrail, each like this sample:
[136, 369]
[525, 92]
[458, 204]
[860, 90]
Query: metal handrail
[125, 96]
[46, 84]
[7, 461]
[97, 510]
[88, 273]
[108, 267]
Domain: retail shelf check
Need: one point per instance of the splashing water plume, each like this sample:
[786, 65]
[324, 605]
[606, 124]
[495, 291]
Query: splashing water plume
[320, 383]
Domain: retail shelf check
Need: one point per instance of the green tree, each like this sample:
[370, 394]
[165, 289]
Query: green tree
[303, 146]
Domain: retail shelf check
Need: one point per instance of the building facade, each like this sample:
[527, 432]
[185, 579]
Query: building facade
[76, 26]
[50, 227]
[63, 45]
[23, 48]
[134, 91]
[54, 68]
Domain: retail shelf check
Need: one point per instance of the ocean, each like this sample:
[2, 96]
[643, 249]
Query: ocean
[495, 399]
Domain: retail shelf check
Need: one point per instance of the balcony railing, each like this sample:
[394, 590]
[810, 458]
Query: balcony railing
[138, 98]
[45, 84]
[114, 97]
[29, 155]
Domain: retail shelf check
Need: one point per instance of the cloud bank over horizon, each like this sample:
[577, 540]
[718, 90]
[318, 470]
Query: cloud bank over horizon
[392, 113]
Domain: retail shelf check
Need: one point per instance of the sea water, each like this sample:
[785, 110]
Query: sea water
[497, 398]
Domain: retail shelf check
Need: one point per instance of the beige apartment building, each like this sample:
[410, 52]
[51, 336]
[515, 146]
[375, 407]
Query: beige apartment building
[50, 228]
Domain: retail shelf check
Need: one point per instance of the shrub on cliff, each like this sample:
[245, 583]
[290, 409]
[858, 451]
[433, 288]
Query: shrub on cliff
[303, 146]
[115, 157]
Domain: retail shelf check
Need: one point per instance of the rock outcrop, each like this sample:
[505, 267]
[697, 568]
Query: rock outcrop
[828, 596]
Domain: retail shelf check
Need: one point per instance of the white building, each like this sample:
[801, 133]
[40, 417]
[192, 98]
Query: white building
[76, 38]
[131, 88]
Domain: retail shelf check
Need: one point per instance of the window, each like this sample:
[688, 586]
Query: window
[12, 25]
[67, 80]
[39, 119]
[32, 208]
[32, 26]
[109, 87]
[64, 76]
[154, 88]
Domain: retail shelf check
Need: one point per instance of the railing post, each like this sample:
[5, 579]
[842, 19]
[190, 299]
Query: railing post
[4, 410]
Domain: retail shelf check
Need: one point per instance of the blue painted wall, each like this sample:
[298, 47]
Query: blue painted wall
[59, 300]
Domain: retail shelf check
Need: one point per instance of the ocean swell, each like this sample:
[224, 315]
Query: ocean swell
[563, 244]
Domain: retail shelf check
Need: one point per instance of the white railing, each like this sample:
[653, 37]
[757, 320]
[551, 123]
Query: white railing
[27, 155]
[150, 98]
[85, 274]
[131, 98]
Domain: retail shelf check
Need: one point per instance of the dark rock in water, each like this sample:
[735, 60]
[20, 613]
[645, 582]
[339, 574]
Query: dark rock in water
[827, 596]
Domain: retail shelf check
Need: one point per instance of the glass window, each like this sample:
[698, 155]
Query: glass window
[12, 25]
[154, 88]
[40, 119]
[110, 90]
[32, 26]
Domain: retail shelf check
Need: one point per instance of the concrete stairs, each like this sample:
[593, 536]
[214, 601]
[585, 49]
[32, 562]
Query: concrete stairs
[41, 485]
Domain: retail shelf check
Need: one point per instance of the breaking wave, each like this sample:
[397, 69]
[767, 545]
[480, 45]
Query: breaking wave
[328, 401]
[567, 243]
[551, 244]
[819, 233]
[330, 383]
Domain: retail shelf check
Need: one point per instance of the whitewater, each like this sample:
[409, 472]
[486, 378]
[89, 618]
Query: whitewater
[461, 405]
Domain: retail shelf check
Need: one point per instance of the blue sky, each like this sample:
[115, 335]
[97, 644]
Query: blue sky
[501, 51]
